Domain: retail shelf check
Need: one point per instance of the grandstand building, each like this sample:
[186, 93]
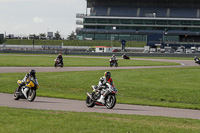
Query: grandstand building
[154, 21]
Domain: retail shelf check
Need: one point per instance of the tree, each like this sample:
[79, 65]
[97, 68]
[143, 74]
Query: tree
[33, 36]
[72, 36]
[42, 35]
[57, 35]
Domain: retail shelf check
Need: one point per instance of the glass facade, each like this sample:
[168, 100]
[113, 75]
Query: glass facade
[128, 28]
[135, 20]
[130, 23]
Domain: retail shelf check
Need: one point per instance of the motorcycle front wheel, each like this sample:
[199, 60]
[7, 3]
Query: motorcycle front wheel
[31, 95]
[110, 101]
[55, 65]
[15, 95]
[89, 102]
[116, 64]
[111, 64]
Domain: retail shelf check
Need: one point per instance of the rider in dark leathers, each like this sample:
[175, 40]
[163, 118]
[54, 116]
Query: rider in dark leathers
[60, 58]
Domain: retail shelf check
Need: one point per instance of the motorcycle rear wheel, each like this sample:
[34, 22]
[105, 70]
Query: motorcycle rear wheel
[16, 96]
[31, 95]
[89, 102]
[110, 101]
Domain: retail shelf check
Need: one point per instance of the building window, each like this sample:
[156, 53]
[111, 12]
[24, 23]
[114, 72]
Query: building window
[174, 22]
[138, 21]
[102, 21]
[125, 21]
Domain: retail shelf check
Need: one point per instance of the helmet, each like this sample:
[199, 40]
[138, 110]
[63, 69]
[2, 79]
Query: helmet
[32, 72]
[107, 75]
[113, 54]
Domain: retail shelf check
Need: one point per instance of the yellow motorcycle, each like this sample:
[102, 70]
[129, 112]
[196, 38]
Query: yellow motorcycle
[26, 91]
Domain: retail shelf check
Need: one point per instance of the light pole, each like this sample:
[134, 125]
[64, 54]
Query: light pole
[21, 39]
[112, 38]
[33, 43]
[44, 44]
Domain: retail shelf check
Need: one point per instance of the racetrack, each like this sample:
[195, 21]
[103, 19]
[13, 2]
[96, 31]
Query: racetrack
[79, 106]
[183, 63]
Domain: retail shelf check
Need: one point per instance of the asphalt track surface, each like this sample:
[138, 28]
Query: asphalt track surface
[79, 106]
[184, 63]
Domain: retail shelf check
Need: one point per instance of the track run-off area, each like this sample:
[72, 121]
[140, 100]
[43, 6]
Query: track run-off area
[45, 103]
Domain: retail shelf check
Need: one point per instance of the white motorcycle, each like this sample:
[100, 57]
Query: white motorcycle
[109, 100]
[31, 93]
[113, 63]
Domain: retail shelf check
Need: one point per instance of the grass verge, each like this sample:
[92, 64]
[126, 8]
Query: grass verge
[40, 121]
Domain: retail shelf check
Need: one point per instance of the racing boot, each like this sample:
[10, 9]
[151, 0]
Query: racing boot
[17, 91]
[19, 88]
[25, 91]
[101, 99]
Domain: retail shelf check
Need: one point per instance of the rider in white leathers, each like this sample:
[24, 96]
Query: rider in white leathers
[106, 81]
[113, 58]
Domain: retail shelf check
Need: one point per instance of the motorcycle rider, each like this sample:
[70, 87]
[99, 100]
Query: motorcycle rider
[105, 81]
[113, 58]
[196, 59]
[124, 55]
[60, 58]
[27, 81]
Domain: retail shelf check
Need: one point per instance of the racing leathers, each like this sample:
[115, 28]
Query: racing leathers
[60, 58]
[113, 58]
[103, 83]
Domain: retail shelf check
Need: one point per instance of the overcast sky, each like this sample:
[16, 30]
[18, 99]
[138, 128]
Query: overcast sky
[24, 17]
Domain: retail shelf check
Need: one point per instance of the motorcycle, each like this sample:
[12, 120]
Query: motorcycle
[196, 59]
[58, 63]
[125, 56]
[113, 63]
[31, 93]
[109, 100]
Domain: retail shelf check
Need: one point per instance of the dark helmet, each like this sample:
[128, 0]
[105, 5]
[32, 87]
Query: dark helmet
[107, 75]
[32, 72]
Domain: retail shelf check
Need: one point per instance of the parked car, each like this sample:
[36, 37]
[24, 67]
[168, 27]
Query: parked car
[115, 50]
[91, 49]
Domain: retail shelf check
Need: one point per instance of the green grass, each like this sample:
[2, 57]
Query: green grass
[40, 121]
[48, 60]
[173, 58]
[167, 87]
[75, 42]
